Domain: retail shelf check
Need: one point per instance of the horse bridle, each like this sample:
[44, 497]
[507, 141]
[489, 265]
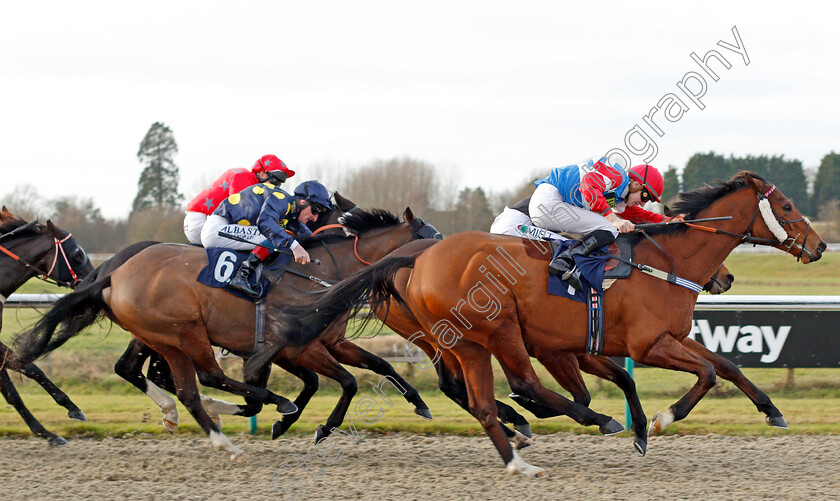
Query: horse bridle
[59, 247]
[775, 223]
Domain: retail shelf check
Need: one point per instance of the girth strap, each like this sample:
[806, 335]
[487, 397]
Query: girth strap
[259, 329]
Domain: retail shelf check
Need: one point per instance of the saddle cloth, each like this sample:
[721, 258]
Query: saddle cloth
[222, 264]
[598, 269]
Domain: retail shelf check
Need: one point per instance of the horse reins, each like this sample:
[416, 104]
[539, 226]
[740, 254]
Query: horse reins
[770, 217]
[355, 243]
[45, 276]
[765, 210]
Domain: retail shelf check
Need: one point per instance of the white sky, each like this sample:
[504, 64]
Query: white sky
[490, 90]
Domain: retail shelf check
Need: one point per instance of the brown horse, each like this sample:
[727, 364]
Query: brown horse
[481, 294]
[31, 249]
[154, 296]
[565, 367]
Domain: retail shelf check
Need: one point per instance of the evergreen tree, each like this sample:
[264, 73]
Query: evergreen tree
[703, 168]
[158, 185]
[473, 210]
[827, 185]
[672, 183]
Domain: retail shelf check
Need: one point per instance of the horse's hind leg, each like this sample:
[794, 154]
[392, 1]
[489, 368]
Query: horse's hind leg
[478, 375]
[130, 368]
[348, 353]
[34, 373]
[605, 368]
[183, 375]
[730, 372]
[198, 348]
[506, 345]
[11, 395]
[310, 386]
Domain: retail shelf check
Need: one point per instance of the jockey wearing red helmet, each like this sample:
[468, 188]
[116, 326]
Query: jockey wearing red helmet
[268, 168]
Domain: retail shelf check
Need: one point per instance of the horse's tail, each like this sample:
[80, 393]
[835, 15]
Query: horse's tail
[373, 285]
[74, 311]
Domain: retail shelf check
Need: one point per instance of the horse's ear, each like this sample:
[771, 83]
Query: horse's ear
[752, 182]
[342, 203]
[408, 215]
[52, 229]
[5, 214]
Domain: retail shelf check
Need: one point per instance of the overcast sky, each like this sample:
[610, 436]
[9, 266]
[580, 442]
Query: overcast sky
[490, 90]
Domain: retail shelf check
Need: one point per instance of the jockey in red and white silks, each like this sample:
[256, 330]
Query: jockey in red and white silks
[267, 168]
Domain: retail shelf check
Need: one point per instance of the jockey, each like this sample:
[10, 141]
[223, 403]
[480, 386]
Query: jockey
[261, 214]
[585, 199]
[267, 168]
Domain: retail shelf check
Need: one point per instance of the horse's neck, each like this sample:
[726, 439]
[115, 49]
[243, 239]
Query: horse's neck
[14, 273]
[698, 254]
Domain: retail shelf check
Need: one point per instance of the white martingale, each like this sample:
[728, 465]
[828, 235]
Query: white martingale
[770, 220]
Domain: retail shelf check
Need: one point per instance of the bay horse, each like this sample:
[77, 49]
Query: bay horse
[31, 249]
[565, 367]
[340, 350]
[154, 296]
[475, 308]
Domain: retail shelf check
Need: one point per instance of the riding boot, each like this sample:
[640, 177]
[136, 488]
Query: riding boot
[241, 280]
[564, 264]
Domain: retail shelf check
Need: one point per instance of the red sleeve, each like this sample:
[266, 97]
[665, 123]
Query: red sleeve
[595, 183]
[636, 214]
[240, 180]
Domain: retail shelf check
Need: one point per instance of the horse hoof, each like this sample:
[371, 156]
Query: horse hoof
[777, 422]
[77, 414]
[520, 441]
[655, 424]
[57, 441]
[320, 433]
[524, 429]
[170, 426]
[278, 429]
[287, 407]
[541, 474]
[641, 446]
[612, 427]
[424, 413]
[239, 456]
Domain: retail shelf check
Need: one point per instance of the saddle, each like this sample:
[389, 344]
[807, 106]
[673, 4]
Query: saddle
[614, 269]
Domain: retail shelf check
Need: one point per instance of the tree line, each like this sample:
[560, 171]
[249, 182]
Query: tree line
[432, 192]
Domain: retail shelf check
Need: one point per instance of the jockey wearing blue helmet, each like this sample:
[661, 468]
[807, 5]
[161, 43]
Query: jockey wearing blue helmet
[315, 194]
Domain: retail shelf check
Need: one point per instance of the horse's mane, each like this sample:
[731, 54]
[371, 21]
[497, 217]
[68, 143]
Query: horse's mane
[692, 202]
[357, 222]
[10, 225]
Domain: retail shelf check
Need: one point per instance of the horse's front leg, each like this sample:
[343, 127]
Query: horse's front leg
[730, 372]
[310, 386]
[346, 352]
[667, 353]
[13, 398]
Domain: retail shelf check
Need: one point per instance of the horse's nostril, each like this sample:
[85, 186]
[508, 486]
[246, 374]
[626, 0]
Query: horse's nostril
[730, 278]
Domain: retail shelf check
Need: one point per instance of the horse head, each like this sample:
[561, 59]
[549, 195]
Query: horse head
[781, 224]
[43, 249]
[419, 228]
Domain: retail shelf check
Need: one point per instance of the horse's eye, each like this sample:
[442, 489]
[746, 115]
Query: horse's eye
[787, 207]
[79, 255]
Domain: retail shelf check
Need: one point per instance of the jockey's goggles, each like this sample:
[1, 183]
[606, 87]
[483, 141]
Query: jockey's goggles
[646, 196]
[318, 208]
[276, 176]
